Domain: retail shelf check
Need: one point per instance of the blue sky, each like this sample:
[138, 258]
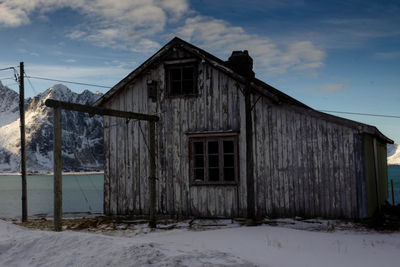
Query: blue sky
[331, 55]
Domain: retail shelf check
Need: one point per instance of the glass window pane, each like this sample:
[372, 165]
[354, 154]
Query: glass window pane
[213, 161]
[198, 148]
[198, 175]
[213, 174]
[187, 73]
[175, 74]
[213, 147]
[229, 174]
[199, 161]
[228, 146]
[187, 87]
[229, 161]
[176, 88]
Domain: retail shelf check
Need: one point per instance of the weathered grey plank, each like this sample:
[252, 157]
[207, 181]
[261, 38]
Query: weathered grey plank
[113, 162]
[314, 164]
[299, 205]
[242, 158]
[106, 132]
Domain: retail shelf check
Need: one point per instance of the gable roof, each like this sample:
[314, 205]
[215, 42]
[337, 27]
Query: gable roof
[257, 86]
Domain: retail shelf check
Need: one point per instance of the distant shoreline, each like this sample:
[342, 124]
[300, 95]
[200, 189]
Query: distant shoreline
[50, 173]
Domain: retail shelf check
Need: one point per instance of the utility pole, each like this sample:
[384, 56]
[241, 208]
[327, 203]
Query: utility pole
[23, 152]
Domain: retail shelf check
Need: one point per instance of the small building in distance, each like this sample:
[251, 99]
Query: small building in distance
[230, 145]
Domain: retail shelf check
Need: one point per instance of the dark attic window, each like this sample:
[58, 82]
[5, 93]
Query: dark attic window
[181, 79]
[213, 160]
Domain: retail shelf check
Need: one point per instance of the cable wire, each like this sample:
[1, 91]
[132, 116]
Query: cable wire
[64, 81]
[9, 68]
[363, 114]
[29, 81]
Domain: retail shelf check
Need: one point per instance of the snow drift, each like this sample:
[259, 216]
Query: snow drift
[232, 246]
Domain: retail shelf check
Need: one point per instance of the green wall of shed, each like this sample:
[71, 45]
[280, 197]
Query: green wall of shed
[370, 172]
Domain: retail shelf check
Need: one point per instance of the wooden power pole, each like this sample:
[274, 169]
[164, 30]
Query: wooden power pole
[57, 170]
[23, 151]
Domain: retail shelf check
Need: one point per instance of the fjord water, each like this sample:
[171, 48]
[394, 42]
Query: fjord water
[82, 194]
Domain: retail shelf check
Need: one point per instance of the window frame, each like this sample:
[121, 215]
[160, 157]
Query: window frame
[205, 138]
[181, 64]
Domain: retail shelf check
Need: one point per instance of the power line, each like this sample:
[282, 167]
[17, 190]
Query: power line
[9, 68]
[63, 81]
[363, 114]
[33, 88]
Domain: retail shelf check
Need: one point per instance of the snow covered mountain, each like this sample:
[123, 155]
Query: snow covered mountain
[393, 153]
[82, 136]
[8, 105]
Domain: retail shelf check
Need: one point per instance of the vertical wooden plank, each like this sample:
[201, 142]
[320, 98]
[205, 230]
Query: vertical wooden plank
[292, 160]
[175, 142]
[106, 138]
[285, 160]
[152, 181]
[242, 154]
[275, 162]
[267, 157]
[299, 205]
[331, 173]
[122, 158]
[336, 170]
[184, 151]
[305, 174]
[57, 169]
[135, 132]
[324, 162]
[144, 149]
[320, 152]
[129, 192]
[315, 167]
[352, 175]
[341, 171]
[280, 180]
[169, 154]
[260, 155]
[308, 167]
[347, 175]
[113, 161]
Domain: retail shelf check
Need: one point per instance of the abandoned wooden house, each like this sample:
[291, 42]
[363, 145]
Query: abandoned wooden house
[230, 145]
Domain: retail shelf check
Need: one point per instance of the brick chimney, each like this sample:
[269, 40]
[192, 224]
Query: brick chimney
[242, 63]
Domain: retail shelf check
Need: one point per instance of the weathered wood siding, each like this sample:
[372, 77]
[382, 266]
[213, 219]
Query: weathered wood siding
[217, 108]
[305, 165]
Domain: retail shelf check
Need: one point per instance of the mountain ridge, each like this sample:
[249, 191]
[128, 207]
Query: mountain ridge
[393, 153]
[82, 142]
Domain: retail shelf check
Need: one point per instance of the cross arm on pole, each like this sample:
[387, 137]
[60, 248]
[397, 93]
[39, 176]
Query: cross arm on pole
[100, 111]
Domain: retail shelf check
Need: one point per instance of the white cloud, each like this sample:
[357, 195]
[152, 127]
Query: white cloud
[221, 37]
[330, 88]
[109, 23]
[135, 25]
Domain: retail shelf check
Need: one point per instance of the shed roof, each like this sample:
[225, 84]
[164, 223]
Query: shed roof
[257, 86]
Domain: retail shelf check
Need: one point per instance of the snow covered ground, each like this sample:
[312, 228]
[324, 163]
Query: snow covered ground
[232, 245]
